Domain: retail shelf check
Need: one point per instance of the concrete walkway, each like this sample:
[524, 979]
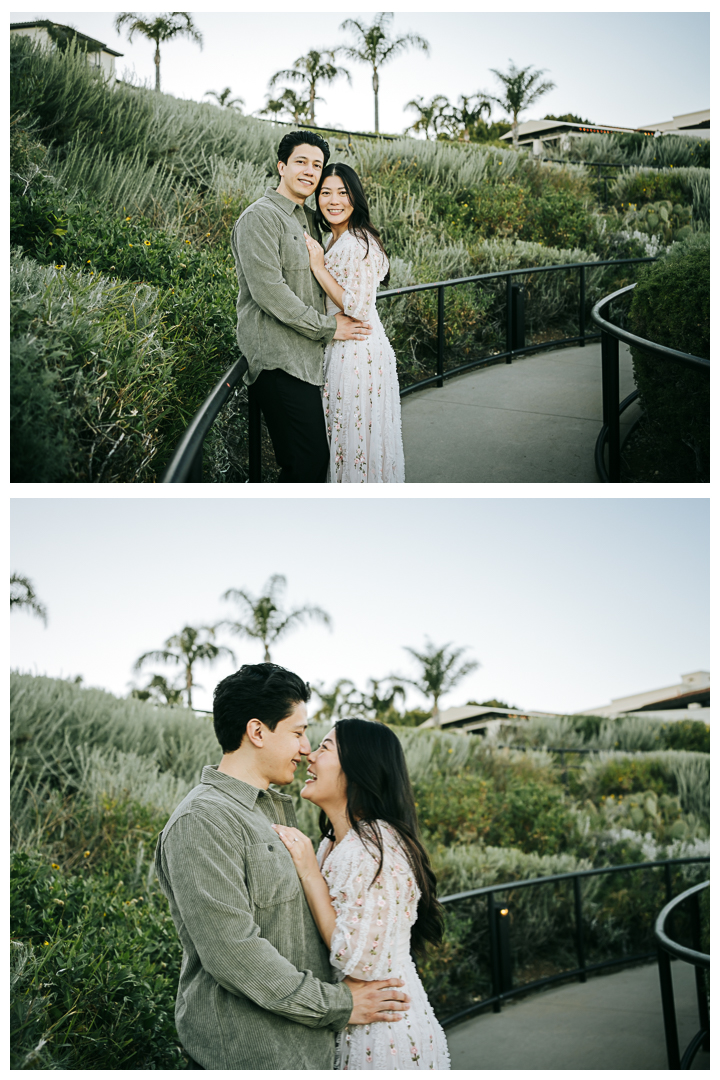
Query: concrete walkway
[610, 1022]
[533, 421]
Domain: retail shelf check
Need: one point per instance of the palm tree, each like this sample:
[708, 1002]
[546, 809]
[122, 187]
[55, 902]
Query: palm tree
[318, 66]
[187, 649]
[264, 618]
[431, 114]
[163, 28]
[468, 112]
[159, 689]
[374, 47]
[441, 672]
[338, 701]
[22, 595]
[378, 702]
[291, 103]
[522, 89]
[223, 98]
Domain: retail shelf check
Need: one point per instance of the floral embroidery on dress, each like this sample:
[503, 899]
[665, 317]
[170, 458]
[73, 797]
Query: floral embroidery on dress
[364, 431]
[368, 944]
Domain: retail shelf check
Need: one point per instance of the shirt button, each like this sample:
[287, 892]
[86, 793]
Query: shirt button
[270, 847]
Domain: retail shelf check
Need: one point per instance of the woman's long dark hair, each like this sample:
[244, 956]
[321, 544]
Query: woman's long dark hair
[360, 224]
[378, 789]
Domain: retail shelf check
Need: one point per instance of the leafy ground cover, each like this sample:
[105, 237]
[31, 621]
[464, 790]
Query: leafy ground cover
[95, 958]
[125, 189]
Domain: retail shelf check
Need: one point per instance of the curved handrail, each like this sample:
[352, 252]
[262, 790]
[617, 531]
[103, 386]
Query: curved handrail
[186, 462]
[501, 994]
[680, 951]
[666, 948]
[610, 336]
[688, 359]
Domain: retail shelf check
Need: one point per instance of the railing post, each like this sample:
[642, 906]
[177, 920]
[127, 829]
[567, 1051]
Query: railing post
[195, 472]
[518, 317]
[703, 1012]
[441, 335]
[611, 401]
[254, 434]
[508, 319]
[494, 959]
[668, 1007]
[582, 306]
[579, 944]
[502, 915]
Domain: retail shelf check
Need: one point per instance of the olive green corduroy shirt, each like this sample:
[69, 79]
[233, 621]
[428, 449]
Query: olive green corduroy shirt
[256, 988]
[281, 320]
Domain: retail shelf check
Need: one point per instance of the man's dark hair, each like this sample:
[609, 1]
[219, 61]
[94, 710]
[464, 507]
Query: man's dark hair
[297, 138]
[264, 692]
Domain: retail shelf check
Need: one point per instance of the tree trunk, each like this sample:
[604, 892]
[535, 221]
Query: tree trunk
[435, 714]
[376, 85]
[515, 132]
[157, 67]
[312, 105]
[267, 654]
[188, 685]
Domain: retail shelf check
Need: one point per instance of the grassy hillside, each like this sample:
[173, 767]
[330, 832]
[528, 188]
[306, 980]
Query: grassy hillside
[94, 778]
[123, 287]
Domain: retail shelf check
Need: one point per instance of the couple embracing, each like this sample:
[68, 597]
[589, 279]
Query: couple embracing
[319, 361]
[292, 960]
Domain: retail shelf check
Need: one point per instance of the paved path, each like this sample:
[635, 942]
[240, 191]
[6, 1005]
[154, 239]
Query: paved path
[533, 421]
[609, 1022]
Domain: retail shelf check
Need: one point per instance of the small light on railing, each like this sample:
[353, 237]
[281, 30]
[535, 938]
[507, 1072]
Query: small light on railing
[503, 911]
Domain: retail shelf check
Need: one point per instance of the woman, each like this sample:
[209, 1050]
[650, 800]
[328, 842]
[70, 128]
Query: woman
[362, 395]
[371, 889]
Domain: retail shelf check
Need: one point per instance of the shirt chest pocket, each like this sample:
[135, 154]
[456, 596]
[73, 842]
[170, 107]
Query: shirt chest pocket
[271, 875]
[293, 250]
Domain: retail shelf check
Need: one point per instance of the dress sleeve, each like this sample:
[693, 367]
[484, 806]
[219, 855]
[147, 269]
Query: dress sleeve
[358, 275]
[371, 917]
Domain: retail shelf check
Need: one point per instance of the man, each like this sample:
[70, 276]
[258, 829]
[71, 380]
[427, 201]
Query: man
[256, 989]
[282, 328]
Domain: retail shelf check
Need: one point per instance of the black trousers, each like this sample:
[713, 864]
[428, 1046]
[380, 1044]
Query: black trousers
[294, 416]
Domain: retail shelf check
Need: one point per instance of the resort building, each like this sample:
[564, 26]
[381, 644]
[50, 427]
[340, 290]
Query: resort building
[687, 700]
[54, 35]
[559, 133]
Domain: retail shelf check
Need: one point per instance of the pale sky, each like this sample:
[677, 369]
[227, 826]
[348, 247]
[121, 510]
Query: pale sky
[622, 68]
[566, 602]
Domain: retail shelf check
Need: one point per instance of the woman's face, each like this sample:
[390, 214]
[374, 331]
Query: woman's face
[333, 201]
[325, 785]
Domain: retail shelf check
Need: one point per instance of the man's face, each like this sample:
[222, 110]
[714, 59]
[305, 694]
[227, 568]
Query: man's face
[301, 174]
[284, 748]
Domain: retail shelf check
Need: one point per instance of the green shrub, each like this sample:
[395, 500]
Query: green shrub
[94, 972]
[687, 735]
[671, 306]
[104, 377]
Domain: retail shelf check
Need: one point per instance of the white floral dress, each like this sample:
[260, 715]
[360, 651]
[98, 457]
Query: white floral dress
[361, 392]
[371, 940]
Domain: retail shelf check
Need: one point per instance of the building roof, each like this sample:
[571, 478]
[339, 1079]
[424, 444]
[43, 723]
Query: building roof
[539, 129]
[475, 717]
[41, 24]
[693, 121]
[694, 688]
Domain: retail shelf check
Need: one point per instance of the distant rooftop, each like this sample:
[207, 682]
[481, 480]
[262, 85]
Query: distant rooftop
[692, 692]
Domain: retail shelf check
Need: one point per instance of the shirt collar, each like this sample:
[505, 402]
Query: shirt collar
[280, 200]
[246, 794]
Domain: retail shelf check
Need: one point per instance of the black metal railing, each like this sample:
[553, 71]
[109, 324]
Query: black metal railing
[499, 935]
[611, 336]
[667, 948]
[186, 463]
